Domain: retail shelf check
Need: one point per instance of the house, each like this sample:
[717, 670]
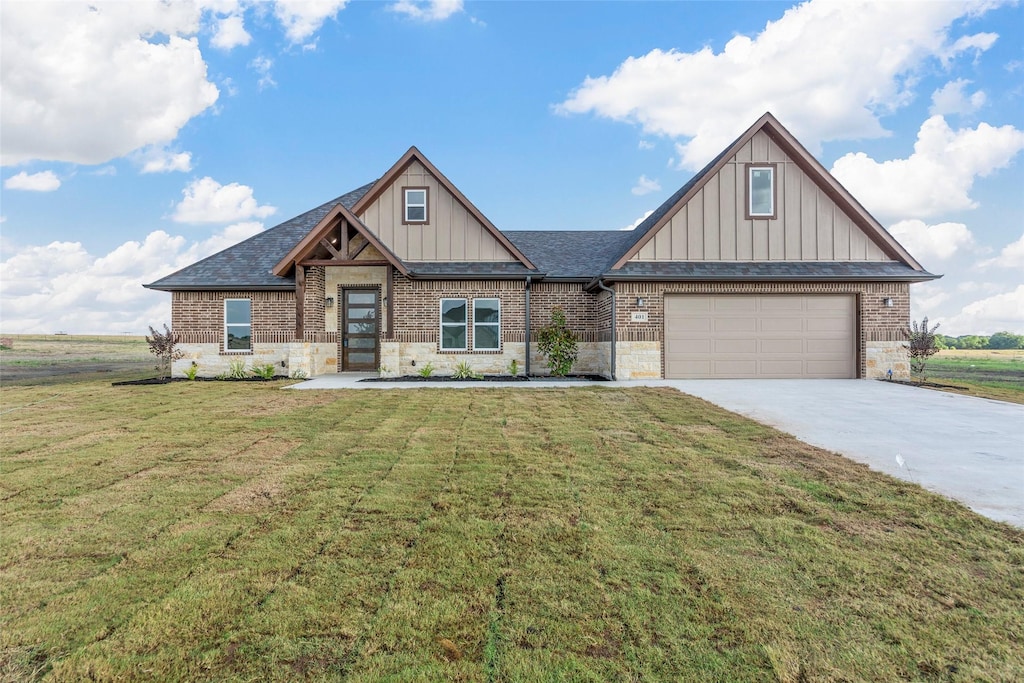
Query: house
[762, 265]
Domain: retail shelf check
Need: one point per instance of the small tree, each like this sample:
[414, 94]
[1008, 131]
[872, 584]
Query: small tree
[922, 345]
[558, 344]
[165, 347]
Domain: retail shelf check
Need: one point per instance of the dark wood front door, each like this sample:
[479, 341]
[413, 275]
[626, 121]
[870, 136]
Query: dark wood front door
[360, 323]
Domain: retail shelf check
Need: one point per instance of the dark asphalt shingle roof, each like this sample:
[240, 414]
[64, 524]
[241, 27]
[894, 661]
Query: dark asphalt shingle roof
[469, 269]
[772, 270]
[247, 265]
[580, 254]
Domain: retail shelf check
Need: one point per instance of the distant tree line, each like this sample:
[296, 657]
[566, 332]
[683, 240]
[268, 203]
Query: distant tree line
[999, 340]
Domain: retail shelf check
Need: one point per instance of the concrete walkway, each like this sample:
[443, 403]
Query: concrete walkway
[969, 449]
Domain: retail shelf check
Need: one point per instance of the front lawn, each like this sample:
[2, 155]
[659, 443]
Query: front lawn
[240, 532]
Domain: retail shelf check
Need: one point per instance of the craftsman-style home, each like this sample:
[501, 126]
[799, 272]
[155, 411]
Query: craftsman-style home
[762, 265]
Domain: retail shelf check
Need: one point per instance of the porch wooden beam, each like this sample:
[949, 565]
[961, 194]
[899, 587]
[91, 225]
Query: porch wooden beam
[343, 262]
[300, 300]
[352, 256]
[343, 229]
[326, 244]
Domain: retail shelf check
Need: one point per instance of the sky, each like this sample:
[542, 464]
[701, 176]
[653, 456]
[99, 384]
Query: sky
[138, 137]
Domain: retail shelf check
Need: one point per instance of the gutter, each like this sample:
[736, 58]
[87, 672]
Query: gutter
[527, 305]
[602, 285]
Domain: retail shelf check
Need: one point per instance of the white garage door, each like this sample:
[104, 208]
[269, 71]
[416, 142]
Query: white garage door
[771, 336]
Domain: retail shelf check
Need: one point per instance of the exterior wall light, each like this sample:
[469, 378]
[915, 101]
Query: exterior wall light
[329, 302]
[887, 301]
[640, 302]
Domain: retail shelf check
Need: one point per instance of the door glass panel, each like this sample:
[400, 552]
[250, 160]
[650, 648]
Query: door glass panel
[362, 313]
[369, 327]
[361, 297]
[361, 358]
[362, 342]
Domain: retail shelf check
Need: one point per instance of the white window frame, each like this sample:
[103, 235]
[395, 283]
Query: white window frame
[495, 325]
[750, 190]
[464, 324]
[412, 205]
[228, 325]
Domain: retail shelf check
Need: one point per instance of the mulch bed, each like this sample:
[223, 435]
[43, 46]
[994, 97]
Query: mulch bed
[926, 385]
[487, 378]
[167, 380]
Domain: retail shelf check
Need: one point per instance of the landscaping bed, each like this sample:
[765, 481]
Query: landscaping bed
[489, 378]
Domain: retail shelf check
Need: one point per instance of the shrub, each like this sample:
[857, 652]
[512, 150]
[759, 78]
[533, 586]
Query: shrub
[266, 371]
[299, 374]
[426, 371]
[191, 371]
[464, 371]
[513, 367]
[558, 344]
[236, 369]
[921, 345]
[165, 347]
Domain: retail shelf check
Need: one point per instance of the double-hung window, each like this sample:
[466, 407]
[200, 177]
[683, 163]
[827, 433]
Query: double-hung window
[237, 325]
[761, 191]
[453, 324]
[486, 324]
[415, 207]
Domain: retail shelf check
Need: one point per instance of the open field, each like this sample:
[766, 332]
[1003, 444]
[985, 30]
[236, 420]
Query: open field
[222, 531]
[997, 374]
[58, 358]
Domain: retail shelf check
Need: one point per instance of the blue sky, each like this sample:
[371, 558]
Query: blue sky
[138, 137]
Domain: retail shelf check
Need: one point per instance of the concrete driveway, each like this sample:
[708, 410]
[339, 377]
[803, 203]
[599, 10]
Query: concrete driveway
[970, 449]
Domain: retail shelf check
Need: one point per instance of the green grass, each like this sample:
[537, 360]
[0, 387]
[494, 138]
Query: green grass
[985, 373]
[239, 532]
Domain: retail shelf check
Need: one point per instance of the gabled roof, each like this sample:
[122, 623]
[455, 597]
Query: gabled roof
[248, 264]
[804, 159]
[414, 154]
[309, 243]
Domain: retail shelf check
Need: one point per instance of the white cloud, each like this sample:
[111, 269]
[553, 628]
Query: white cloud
[230, 33]
[44, 181]
[303, 18]
[207, 201]
[926, 296]
[105, 170]
[926, 242]
[61, 286]
[160, 160]
[431, 10]
[262, 66]
[645, 185]
[951, 99]
[828, 70]
[986, 316]
[937, 177]
[1011, 256]
[638, 221]
[644, 144]
[86, 82]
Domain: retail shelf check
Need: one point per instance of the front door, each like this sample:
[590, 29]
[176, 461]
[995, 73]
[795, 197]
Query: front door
[359, 328]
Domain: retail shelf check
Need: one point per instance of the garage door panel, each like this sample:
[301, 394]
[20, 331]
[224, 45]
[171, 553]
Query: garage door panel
[732, 325]
[734, 346]
[760, 336]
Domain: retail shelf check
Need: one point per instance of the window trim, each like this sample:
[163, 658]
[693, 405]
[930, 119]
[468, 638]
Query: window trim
[442, 324]
[750, 168]
[406, 205]
[496, 325]
[228, 325]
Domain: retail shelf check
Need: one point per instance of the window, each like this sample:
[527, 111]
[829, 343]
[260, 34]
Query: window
[453, 324]
[415, 205]
[237, 325]
[761, 191]
[486, 324]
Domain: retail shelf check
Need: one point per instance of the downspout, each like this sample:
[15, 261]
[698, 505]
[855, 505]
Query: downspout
[527, 302]
[602, 285]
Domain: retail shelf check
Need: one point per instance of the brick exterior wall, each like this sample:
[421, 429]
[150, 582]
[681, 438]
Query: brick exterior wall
[313, 301]
[198, 317]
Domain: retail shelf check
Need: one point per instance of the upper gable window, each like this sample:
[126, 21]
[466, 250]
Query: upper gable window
[415, 205]
[761, 191]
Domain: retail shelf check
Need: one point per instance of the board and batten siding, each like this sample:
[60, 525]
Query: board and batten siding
[712, 226]
[451, 233]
